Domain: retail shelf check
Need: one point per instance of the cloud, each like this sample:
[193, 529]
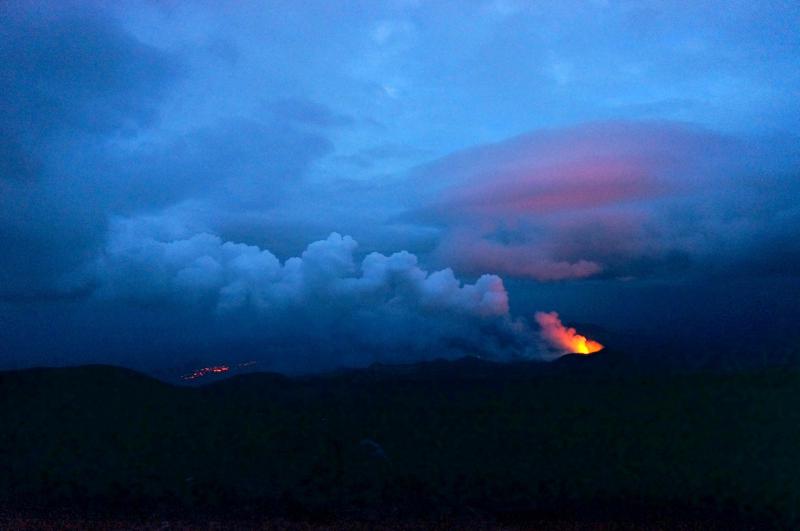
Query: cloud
[72, 81]
[207, 120]
[233, 163]
[308, 113]
[470, 252]
[319, 310]
[612, 199]
[582, 167]
[81, 100]
[78, 70]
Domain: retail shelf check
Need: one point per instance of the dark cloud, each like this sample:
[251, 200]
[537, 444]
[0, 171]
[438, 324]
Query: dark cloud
[76, 71]
[70, 79]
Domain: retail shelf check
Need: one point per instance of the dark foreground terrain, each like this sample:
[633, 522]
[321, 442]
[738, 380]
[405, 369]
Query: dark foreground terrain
[460, 444]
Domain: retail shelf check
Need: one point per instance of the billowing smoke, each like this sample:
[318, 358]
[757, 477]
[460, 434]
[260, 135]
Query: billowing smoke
[563, 339]
[319, 310]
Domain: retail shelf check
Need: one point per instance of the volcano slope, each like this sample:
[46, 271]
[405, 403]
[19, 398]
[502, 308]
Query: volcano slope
[455, 440]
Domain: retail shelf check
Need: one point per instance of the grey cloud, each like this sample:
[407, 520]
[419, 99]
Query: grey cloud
[78, 71]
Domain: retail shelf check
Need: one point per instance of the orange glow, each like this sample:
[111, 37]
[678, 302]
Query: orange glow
[199, 373]
[581, 345]
[567, 340]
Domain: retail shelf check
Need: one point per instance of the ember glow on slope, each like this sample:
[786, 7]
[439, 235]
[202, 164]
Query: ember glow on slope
[214, 370]
[205, 371]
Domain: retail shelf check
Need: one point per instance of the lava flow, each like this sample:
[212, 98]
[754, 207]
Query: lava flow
[215, 369]
[199, 373]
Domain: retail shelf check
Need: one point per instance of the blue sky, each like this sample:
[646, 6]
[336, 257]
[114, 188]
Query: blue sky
[149, 151]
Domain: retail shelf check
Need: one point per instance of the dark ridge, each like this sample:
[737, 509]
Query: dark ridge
[91, 375]
[255, 377]
[466, 367]
[465, 439]
[604, 361]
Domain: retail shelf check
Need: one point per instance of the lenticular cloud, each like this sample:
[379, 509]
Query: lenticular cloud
[322, 308]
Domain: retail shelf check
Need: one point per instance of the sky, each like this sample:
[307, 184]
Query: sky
[324, 184]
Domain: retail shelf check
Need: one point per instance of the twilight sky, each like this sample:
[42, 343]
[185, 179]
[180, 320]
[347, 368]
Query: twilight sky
[316, 184]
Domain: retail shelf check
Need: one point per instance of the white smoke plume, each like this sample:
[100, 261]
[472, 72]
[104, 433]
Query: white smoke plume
[320, 309]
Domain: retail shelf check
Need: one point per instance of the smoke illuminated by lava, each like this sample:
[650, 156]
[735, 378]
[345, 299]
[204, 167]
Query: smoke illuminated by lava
[562, 338]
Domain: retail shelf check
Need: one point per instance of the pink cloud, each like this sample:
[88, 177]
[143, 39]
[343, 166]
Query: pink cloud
[577, 168]
[572, 185]
[570, 203]
[473, 254]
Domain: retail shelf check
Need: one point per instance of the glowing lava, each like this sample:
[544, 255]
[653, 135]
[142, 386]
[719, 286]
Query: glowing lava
[215, 369]
[567, 340]
[199, 373]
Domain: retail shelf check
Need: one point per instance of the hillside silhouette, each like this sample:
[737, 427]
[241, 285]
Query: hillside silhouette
[463, 439]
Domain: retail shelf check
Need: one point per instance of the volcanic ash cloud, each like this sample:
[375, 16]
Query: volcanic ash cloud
[317, 310]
